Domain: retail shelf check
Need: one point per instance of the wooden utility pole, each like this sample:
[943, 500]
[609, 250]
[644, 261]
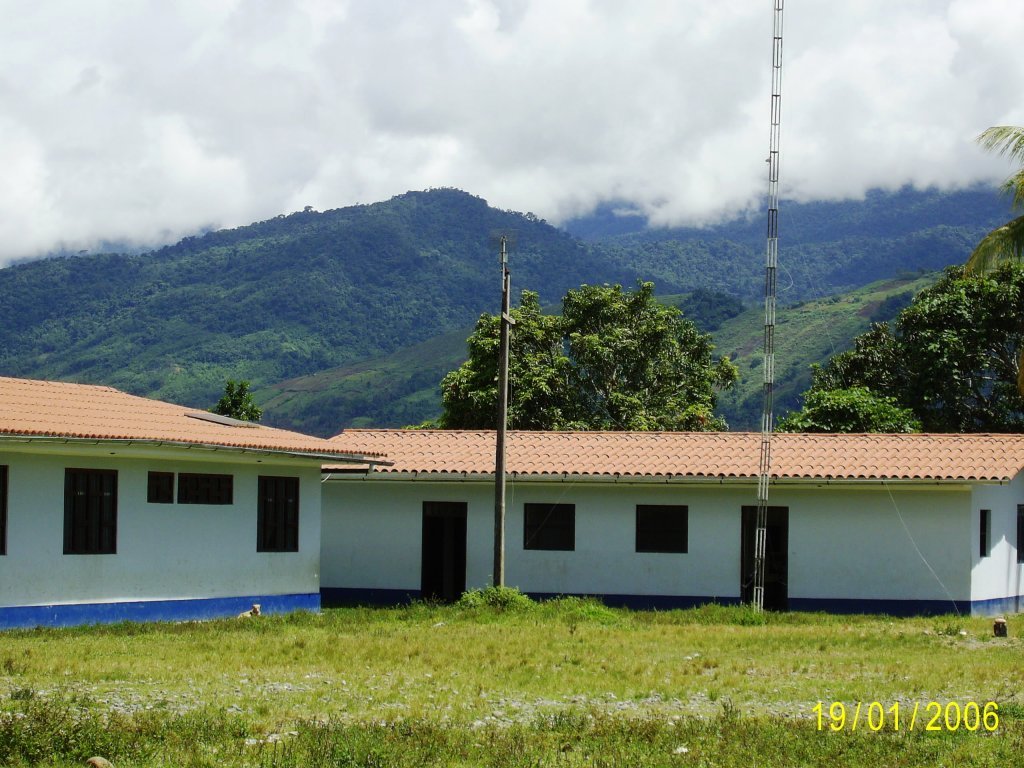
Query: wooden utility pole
[499, 457]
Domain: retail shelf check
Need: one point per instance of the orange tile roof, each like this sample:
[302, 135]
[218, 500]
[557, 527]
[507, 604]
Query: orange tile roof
[717, 455]
[54, 409]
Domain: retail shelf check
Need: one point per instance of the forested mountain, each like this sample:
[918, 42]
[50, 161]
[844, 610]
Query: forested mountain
[310, 292]
[393, 390]
[880, 214]
[806, 332]
[826, 247]
[403, 388]
[277, 299]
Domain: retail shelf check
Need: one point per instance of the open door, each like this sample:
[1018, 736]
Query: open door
[444, 551]
[776, 553]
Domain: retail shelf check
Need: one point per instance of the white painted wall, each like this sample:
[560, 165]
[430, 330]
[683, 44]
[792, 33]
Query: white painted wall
[371, 532]
[164, 551]
[605, 560]
[372, 539]
[998, 575]
[844, 542]
[850, 543]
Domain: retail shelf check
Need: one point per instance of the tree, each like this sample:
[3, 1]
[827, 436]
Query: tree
[874, 361]
[952, 358]
[237, 402]
[1004, 243]
[639, 365]
[615, 360]
[850, 410]
[538, 374]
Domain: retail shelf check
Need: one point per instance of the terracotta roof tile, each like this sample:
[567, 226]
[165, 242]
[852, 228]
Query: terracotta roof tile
[62, 410]
[698, 454]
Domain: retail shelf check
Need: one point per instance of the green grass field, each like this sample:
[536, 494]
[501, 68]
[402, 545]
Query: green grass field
[568, 682]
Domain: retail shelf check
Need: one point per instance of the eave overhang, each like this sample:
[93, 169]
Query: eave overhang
[143, 443]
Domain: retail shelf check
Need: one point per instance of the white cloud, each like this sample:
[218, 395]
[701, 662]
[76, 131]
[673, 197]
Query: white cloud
[145, 121]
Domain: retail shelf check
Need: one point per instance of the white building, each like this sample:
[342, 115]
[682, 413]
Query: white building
[118, 507]
[875, 523]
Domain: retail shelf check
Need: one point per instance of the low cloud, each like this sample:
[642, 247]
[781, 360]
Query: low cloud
[143, 122]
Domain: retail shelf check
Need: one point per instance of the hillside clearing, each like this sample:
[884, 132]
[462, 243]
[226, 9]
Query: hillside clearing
[403, 387]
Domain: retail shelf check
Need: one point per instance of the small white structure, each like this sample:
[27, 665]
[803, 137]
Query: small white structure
[900, 524]
[117, 507]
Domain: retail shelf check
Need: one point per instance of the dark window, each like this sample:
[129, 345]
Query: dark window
[661, 528]
[204, 489]
[986, 532]
[1020, 533]
[549, 526]
[278, 526]
[90, 511]
[161, 488]
[3, 510]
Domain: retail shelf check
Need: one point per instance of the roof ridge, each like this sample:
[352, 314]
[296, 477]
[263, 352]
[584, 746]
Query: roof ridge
[861, 456]
[439, 431]
[41, 410]
[54, 383]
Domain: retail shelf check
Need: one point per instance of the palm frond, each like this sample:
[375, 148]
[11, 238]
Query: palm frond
[1005, 243]
[1014, 188]
[1004, 140]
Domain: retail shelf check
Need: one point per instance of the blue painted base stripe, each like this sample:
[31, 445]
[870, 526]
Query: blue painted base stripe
[13, 617]
[997, 605]
[337, 596]
[67, 615]
[992, 607]
[887, 607]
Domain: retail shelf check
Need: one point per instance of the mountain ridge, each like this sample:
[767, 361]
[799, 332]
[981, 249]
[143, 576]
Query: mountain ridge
[311, 291]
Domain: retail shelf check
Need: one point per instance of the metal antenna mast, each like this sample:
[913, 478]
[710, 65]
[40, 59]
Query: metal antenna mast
[771, 262]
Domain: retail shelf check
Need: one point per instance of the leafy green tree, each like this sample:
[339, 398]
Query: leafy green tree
[639, 365]
[237, 402]
[874, 361]
[708, 309]
[538, 374]
[1006, 242]
[850, 410]
[952, 358]
[615, 360]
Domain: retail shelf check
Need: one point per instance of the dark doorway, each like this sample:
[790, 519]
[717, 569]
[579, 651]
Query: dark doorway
[444, 550]
[776, 558]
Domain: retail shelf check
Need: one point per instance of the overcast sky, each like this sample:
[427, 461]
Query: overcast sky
[142, 121]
